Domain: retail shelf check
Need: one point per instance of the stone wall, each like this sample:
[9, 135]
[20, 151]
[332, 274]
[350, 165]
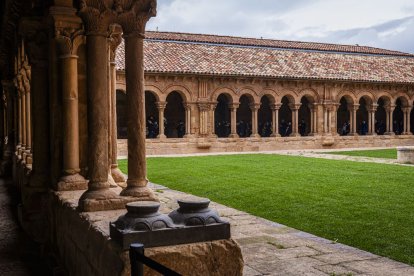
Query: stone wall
[84, 247]
[211, 145]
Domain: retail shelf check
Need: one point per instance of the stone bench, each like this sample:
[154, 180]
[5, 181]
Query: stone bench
[405, 155]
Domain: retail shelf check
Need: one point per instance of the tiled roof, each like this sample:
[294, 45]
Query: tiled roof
[220, 57]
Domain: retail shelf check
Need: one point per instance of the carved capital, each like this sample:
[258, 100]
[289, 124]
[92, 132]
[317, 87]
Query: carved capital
[161, 105]
[294, 107]
[234, 106]
[134, 15]
[203, 107]
[97, 16]
[254, 106]
[69, 40]
[115, 39]
[275, 106]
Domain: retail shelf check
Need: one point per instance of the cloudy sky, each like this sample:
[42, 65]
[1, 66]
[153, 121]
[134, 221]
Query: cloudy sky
[379, 23]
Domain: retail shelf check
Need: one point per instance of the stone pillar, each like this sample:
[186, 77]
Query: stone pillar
[371, 123]
[68, 42]
[161, 108]
[333, 117]
[187, 108]
[117, 175]
[314, 119]
[407, 121]
[98, 196]
[26, 85]
[295, 119]
[233, 114]
[254, 108]
[325, 119]
[2, 122]
[20, 119]
[133, 25]
[275, 119]
[212, 120]
[204, 111]
[23, 114]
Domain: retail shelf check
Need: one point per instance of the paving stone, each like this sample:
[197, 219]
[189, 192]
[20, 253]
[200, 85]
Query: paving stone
[380, 266]
[342, 257]
[337, 270]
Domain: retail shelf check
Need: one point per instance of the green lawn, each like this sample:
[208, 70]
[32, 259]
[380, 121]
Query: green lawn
[366, 205]
[382, 153]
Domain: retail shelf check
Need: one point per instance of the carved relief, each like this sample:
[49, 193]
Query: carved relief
[115, 39]
[134, 15]
[69, 40]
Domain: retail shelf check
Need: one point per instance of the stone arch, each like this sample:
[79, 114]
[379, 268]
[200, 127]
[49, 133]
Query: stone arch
[182, 90]
[244, 115]
[310, 94]
[291, 95]
[348, 95]
[264, 115]
[386, 97]
[367, 96]
[252, 94]
[272, 95]
[224, 90]
[155, 91]
[222, 115]
[405, 100]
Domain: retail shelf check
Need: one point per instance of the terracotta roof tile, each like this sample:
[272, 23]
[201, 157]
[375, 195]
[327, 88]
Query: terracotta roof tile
[207, 58]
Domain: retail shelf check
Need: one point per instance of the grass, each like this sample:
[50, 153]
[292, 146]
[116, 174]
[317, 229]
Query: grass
[365, 205]
[382, 153]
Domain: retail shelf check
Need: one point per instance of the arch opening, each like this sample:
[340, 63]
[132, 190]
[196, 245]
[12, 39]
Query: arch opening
[174, 117]
[222, 124]
[362, 117]
[265, 117]
[151, 115]
[244, 117]
[285, 117]
[121, 115]
[343, 117]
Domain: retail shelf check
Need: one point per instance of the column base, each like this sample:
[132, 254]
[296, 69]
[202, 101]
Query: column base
[255, 135]
[72, 182]
[233, 135]
[118, 176]
[100, 200]
[139, 193]
[161, 136]
[275, 135]
[112, 183]
[294, 135]
[389, 133]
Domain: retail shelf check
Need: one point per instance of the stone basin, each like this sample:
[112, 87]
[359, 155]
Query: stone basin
[405, 155]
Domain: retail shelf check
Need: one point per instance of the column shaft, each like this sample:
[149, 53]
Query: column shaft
[137, 166]
[233, 126]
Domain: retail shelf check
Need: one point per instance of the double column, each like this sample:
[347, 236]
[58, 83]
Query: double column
[353, 110]
[233, 116]
[407, 120]
[371, 119]
[161, 108]
[254, 108]
[295, 119]
[314, 119]
[389, 109]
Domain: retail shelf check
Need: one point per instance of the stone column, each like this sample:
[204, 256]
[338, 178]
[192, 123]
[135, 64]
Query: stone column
[275, 119]
[133, 25]
[254, 108]
[371, 119]
[295, 119]
[390, 109]
[353, 109]
[325, 119]
[187, 120]
[2, 122]
[117, 175]
[233, 114]
[23, 114]
[98, 196]
[69, 42]
[212, 119]
[161, 108]
[20, 120]
[314, 119]
[407, 122]
[26, 85]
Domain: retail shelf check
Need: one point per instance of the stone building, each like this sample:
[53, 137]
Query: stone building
[58, 138]
[244, 94]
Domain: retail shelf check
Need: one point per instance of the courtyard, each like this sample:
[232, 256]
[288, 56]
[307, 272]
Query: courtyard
[361, 204]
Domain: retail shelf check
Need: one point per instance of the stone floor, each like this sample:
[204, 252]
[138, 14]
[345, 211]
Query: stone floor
[273, 249]
[18, 255]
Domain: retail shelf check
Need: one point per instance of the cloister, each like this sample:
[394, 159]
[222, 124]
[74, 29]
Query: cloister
[241, 111]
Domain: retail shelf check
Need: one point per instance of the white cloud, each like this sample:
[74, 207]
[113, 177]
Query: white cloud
[378, 23]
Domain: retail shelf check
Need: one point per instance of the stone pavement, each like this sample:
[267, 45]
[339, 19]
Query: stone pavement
[18, 256]
[273, 249]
